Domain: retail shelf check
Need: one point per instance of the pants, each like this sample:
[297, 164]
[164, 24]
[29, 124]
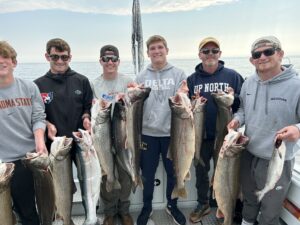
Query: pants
[23, 195]
[253, 178]
[117, 201]
[149, 163]
[202, 179]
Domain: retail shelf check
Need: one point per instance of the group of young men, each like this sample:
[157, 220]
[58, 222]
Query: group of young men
[58, 103]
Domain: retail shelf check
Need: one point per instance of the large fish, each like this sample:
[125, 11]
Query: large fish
[89, 175]
[182, 141]
[223, 101]
[226, 179]
[274, 169]
[6, 213]
[123, 154]
[134, 102]
[102, 140]
[43, 185]
[61, 169]
[198, 105]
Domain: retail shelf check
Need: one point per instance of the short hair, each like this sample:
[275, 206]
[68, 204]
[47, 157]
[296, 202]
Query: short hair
[7, 51]
[59, 44]
[156, 38]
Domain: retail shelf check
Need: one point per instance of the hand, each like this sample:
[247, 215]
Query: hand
[233, 124]
[41, 148]
[289, 133]
[51, 131]
[87, 124]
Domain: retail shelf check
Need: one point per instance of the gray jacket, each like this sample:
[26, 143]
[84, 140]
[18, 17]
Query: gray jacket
[164, 84]
[268, 106]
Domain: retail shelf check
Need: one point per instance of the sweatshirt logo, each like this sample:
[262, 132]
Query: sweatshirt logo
[47, 97]
[77, 92]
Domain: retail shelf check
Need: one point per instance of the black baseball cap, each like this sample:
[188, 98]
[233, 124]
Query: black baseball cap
[109, 48]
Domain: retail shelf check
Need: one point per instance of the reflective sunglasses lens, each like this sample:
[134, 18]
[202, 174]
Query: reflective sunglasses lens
[205, 51]
[112, 58]
[215, 51]
[256, 55]
[56, 57]
[269, 52]
[64, 57]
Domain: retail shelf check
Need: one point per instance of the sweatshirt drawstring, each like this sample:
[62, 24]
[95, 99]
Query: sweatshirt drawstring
[267, 97]
[255, 97]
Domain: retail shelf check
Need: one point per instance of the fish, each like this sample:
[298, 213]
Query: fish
[43, 183]
[134, 103]
[275, 168]
[89, 174]
[123, 154]
[102, 141]
[223, 100]
[182, 141]
[198, 106]
[61, 169]
[6, 212]
[226, 183]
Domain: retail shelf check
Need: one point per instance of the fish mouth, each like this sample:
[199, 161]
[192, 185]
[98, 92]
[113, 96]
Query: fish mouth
[278, 142]
[242, 140]
[67, 141]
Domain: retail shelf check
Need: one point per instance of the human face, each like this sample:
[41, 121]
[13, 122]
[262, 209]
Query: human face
[268, 64]
[60, 65]
[157, 52]
[6, 68]
[110, 64]
[211, 59]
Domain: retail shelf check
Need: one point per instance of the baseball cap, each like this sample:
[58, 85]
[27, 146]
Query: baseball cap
[266, 41]
[208, 40]
[109, 48]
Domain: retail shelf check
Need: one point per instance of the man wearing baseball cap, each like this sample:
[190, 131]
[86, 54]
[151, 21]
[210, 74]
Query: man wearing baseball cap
[106, 86]
[271, 114]
[210, 76]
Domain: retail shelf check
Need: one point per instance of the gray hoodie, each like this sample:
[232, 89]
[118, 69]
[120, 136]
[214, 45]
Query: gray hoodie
[268, 106]
[21, 113]
[164, 84]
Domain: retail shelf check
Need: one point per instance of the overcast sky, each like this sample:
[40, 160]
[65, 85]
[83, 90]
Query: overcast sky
[88, 24]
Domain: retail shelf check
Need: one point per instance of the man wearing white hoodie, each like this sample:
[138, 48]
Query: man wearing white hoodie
[269, 109]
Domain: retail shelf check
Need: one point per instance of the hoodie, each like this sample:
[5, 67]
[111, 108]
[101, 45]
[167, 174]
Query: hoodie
[67, 97]
[205, 83]
[164, 84]
[268, 106]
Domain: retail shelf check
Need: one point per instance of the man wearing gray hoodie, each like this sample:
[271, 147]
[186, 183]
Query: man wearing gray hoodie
[269, 109]
[164, 80]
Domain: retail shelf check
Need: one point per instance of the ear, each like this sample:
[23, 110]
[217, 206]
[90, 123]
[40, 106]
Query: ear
[47, 57]
[251, 60]
[167, 50]
[220, 53]
[70, 58]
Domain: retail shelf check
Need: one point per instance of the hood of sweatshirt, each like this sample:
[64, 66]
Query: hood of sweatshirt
[167, 67]
[60, 77]
[287, 73]
[199, 69]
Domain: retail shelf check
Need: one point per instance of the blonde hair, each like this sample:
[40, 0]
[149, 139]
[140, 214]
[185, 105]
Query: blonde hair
[156, 38]
[7, 51]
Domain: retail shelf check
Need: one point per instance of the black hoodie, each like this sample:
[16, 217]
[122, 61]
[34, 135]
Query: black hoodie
[206, 83]
[67, 97]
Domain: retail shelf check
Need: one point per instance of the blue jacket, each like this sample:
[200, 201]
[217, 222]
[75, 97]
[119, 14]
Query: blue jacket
[205, 83]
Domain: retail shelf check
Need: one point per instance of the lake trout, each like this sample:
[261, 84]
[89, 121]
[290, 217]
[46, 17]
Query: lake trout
[89, 175]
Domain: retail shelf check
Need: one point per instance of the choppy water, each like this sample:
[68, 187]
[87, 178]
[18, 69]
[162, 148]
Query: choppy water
[93, 69]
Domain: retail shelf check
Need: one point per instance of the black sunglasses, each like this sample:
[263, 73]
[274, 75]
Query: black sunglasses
[56, 57]
[266, 52]
[206, 51]
[113, 58]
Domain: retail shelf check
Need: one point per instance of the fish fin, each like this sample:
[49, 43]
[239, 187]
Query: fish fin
[71, 222]
[260, 195]
[188, 176]
[169, 155]
[176, 193]
[117, 185]
[109, 186]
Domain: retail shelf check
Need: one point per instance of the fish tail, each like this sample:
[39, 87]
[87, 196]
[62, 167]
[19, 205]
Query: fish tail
[179, 192]
[260, 195]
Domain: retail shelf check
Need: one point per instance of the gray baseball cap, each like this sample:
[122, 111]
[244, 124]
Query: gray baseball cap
[266, 41]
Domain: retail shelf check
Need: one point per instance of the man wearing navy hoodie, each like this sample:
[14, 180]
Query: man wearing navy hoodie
[270, 109]
[210, 76]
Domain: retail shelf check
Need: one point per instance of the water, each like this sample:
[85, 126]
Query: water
[242, 65]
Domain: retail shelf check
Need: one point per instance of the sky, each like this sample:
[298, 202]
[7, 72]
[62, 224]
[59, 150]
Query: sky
[89, 24]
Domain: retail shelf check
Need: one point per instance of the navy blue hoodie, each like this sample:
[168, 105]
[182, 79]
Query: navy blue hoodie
[205, 83]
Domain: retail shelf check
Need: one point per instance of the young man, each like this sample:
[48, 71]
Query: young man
[210, 76]
[164, 80]
[22, 129]
[67, 94]
[107, 86]
[270, 109]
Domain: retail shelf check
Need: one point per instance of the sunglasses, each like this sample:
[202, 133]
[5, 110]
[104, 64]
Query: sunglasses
[113, 58]
[62, 57]
[206, 51]
[266, 52]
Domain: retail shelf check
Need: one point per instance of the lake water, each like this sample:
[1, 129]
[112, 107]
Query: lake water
[93, 69]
